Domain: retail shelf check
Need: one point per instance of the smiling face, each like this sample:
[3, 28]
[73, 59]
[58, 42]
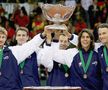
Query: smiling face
[63, 42]
[21, 37]
[103, 35]
[85, 41]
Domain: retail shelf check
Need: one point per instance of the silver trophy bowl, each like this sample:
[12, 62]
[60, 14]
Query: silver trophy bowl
[57, 14]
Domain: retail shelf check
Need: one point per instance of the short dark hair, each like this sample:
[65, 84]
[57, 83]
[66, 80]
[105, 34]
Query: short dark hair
[91, 37]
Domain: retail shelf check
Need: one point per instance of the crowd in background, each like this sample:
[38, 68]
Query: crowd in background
[87, 14]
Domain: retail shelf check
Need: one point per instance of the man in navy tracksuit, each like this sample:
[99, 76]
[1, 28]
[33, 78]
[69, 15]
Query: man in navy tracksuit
[85, 68]
[59, 75]
[103, 53]
[11, 57]
[28, 67]
[93, 79]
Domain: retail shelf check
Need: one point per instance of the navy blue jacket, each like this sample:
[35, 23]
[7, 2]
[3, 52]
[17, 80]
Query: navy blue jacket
[30, 76]
[103, 68]
[9, 78]
[57, 76]
[93, 80]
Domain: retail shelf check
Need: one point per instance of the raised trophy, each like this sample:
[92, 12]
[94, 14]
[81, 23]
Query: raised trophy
[57, 14]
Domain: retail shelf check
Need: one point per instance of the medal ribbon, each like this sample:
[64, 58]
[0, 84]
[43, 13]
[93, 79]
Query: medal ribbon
[1, 57]
[85, 66]
[22, 65]
[65, 68]
[105, 55]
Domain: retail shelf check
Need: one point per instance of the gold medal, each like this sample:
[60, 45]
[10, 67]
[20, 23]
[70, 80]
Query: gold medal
[85, 76]
[66, 74]
[107, 69]
[21, 71]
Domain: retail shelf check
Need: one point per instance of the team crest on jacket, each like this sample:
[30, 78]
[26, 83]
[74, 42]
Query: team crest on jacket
[95, 63]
